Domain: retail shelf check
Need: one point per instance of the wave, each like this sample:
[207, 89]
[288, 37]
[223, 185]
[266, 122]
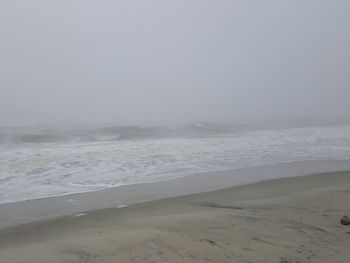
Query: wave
[38, 170]
[41, 138]
[21, 136]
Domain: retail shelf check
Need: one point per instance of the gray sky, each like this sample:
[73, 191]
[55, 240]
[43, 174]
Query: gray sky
[162, 61]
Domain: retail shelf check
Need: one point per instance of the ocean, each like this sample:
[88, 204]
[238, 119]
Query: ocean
[35, 165]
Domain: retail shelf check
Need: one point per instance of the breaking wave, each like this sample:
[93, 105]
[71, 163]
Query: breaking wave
[32, 166]
[20, 136]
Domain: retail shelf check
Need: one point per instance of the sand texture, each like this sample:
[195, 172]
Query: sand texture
[284, 220]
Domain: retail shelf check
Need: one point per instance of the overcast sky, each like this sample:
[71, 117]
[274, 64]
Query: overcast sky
[157, 61]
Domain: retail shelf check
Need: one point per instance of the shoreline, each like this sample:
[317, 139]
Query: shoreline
[23, 212]
[291, 219]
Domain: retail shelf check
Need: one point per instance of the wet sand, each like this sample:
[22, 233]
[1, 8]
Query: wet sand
[283, 220]
[44, 208]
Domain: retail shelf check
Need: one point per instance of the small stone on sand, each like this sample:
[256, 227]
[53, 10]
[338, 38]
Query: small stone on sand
[345, 221]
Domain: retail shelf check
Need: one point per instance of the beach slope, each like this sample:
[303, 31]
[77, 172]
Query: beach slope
[283, 220]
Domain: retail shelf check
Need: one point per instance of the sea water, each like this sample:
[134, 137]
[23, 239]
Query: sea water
[36, 170]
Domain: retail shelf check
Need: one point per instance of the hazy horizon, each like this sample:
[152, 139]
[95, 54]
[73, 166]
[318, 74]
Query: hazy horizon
[163, 62]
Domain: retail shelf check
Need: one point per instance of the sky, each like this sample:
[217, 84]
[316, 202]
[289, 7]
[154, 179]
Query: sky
[161, 61]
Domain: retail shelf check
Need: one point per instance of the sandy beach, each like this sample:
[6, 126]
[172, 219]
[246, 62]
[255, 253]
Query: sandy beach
[175, 131]
[283, 220]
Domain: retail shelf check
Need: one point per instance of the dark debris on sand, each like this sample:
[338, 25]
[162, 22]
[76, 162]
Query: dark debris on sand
[345, 220]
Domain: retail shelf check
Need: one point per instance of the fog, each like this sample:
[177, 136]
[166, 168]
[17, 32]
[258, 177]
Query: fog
[159, 61]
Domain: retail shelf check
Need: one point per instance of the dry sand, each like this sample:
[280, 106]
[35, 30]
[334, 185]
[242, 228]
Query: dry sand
[283, 220]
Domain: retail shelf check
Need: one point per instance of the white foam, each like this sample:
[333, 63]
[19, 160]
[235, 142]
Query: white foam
[42, 170]
[79, 215]
[121, 206]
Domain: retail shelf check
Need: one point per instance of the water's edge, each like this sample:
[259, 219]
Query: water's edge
[40, 170]
[44, 208]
